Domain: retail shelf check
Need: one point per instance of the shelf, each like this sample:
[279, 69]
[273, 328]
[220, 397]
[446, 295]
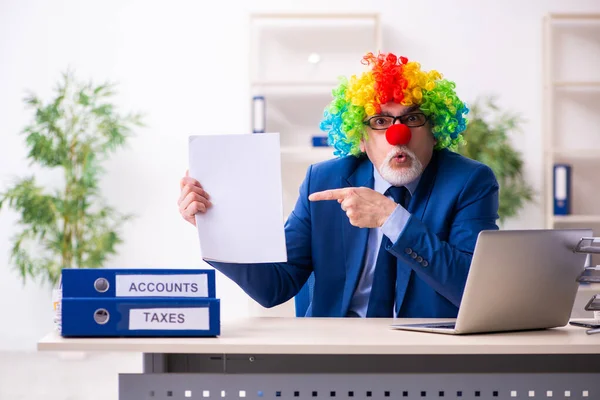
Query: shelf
[573, 16]
[573, 52]
[571, 113]
[576, 218]
[312, 21]
[577, 153]
[283, 83]
[285, 89]
[577, 84]
[574, 117]
[284, 16]
[296, 113]
[316, 48]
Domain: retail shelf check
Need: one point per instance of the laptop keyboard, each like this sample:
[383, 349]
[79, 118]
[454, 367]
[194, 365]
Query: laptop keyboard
[444, 325]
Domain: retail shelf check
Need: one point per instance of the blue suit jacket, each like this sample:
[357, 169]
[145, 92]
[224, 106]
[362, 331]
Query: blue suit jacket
[456, 199]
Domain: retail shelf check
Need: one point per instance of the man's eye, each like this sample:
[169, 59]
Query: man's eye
[411, 118]
[380, 121]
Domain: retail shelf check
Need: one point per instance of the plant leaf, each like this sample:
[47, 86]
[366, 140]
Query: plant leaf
[487, 140]
[69, 226]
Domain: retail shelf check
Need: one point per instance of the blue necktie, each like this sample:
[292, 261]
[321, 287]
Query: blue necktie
[383, 290]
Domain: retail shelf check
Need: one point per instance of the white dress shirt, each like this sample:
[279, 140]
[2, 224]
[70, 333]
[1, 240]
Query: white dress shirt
[392, 228]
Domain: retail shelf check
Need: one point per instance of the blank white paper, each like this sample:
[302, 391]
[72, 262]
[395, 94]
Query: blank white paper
[242, 175]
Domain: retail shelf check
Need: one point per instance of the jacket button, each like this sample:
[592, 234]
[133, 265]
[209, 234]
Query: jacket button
[419, 259]
[424, 263]
[408, 250]
[414, 255]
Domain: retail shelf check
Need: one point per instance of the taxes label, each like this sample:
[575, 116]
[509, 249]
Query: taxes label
[169, 319]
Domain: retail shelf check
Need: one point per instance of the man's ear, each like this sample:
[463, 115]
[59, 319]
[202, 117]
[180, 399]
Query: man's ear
[362, 145]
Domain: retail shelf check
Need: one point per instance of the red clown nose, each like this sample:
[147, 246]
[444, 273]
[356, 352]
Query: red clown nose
[398, 135]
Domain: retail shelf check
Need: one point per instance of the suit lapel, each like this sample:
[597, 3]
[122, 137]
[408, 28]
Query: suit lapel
[354, 239]
[416, 206]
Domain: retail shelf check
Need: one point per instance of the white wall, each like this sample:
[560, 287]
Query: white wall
[184, 63]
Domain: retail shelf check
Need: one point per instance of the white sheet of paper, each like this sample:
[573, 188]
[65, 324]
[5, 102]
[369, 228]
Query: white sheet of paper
[242, 175]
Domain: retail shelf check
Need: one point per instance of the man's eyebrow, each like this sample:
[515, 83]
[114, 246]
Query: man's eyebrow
[410, 110]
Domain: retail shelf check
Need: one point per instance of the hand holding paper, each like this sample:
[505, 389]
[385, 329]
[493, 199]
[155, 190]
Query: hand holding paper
[193, 199]
[241, 221]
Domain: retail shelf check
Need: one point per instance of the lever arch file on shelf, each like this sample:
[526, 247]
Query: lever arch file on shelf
[107, 283]
[562, 189]
[140, 317]
[258, 114]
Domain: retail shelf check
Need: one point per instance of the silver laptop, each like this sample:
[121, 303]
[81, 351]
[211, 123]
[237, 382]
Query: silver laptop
[518, 280]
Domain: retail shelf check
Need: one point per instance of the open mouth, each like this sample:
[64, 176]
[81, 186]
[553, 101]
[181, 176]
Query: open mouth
[401, 158]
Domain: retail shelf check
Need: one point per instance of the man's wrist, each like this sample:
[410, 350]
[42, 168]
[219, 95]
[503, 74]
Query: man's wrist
[395, 223]
[389, 210]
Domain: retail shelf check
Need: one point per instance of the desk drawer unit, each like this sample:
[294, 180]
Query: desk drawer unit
[306, 377]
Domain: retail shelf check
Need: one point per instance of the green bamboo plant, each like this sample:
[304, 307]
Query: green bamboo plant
[70, 226]
[487, 141]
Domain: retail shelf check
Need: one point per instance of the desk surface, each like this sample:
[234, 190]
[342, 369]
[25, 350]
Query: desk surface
[339, 336]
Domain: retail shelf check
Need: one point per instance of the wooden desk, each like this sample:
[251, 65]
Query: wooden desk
[302, 358]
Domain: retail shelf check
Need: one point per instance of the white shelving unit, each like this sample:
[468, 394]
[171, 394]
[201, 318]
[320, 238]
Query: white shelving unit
[571, 123]
[295, 62]
[572, 112]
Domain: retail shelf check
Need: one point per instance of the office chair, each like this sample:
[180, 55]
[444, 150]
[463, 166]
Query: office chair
[304, 297]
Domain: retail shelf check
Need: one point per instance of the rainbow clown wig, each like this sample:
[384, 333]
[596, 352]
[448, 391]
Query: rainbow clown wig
[390, 78]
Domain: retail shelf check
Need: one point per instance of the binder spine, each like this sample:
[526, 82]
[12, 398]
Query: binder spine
[562, 189]
[258, 114]
[175, 317]
[107, 283]
[138, 303]
[320, 141]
